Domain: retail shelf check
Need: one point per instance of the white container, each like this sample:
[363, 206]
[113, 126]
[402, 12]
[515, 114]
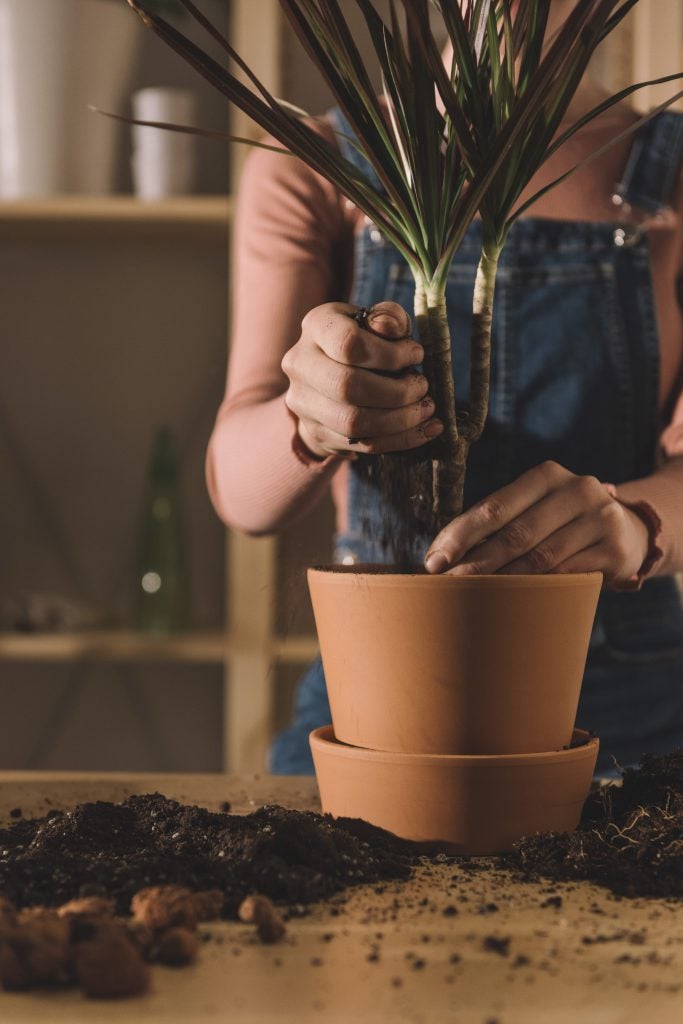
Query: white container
[163, 162]
[56, 57]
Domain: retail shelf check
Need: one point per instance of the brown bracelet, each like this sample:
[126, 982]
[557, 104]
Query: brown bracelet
[653, 524]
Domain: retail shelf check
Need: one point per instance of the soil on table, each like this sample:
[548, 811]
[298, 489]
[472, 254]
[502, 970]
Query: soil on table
[294, 857]
[630, 840]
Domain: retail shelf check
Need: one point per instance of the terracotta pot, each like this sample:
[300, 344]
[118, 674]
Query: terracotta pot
[473, 805]
[453, 665]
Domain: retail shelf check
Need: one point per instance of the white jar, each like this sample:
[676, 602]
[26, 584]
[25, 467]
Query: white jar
[56, 58]
[163, 162]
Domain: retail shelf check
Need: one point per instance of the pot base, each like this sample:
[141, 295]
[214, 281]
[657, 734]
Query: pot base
[471, 804]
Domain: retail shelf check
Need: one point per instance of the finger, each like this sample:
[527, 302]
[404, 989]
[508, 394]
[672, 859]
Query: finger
[334, 330]
[389, 320]
[492, 514]
[556, 549]
[353, 385]
[531, 533]
[405, 440]
[356, 421]
[612, 554]
[591, 559]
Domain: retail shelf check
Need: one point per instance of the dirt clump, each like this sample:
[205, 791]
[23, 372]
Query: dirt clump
[82, 942]
[115, 850]
[91, 896]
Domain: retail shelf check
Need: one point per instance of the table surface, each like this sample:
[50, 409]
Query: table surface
[391, 956]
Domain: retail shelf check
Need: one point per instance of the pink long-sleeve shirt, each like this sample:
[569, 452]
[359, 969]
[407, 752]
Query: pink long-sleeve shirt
[293, 250]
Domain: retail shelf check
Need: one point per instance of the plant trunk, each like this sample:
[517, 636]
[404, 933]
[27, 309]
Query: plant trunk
[461, 426]
[480, 341]
[450, 450]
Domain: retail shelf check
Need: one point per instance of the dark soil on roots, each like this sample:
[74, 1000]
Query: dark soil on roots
[630, 839]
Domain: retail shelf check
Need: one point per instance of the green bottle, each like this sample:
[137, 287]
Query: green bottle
[161, 603]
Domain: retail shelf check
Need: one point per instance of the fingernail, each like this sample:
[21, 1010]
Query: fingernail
[436, 561]
[428, 405]
[417, 354]
[433, 429]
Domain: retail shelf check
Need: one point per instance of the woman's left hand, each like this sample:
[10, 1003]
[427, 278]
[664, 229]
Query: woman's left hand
[548, 520]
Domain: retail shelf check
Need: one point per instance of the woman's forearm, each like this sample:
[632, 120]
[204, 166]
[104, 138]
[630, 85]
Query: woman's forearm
[291, 248]
[259, 476]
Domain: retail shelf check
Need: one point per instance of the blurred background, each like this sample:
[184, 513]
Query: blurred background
[135, 632]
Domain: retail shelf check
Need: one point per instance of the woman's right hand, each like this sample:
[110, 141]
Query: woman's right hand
[354, 391]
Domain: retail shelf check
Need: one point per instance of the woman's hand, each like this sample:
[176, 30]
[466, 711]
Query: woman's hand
[353, 391]
[548, 520]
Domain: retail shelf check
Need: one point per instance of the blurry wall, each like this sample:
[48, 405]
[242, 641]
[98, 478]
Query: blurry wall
[107, 333]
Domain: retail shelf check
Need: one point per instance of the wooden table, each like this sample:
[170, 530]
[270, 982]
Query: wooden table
[513, 953]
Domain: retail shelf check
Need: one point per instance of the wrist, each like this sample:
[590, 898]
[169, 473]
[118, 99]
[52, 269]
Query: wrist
[648, 526]
[641, 538]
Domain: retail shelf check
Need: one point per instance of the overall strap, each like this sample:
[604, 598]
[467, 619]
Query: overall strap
[651, 173]
[346, 138]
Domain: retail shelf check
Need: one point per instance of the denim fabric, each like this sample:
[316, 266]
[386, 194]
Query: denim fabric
[574, 378]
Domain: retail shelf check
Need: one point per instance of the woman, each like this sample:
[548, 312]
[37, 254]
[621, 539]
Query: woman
[581, 463]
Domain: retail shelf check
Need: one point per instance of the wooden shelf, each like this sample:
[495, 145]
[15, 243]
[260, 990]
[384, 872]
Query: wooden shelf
[188, 214]
[213, 648]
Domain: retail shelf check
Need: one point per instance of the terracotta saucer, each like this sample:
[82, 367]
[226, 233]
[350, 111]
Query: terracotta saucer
[473, 804]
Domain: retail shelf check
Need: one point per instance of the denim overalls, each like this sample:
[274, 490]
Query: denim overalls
[574, 378]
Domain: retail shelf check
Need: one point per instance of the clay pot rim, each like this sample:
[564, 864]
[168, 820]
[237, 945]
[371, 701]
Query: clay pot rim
[324, 740]
[381, 576]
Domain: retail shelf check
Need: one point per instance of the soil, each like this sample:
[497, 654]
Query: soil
[293, 857]
[630, 839]
[402, 481]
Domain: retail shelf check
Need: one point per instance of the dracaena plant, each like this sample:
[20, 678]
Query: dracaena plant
[447, 140]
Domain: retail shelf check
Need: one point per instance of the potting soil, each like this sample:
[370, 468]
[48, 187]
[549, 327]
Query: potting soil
[630, 840]
[294, 857]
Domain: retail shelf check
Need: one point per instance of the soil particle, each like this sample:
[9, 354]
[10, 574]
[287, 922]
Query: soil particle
[552, 901]
[521, 960]
[634, 938]
[496, 944]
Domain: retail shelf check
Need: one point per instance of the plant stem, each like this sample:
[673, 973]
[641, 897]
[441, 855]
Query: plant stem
[448, 467]
[480, 341]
